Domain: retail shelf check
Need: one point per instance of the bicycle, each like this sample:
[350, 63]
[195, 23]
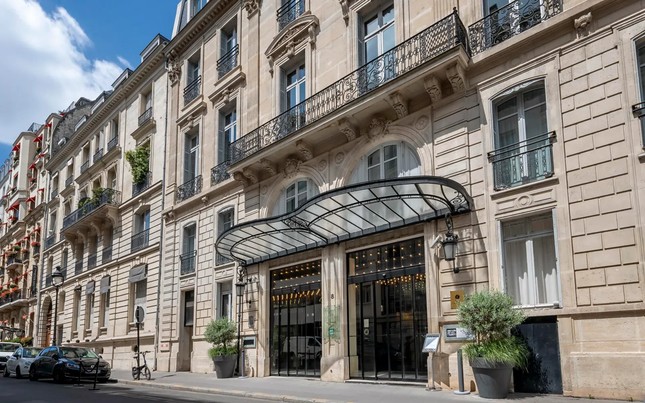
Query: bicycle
[141, 370]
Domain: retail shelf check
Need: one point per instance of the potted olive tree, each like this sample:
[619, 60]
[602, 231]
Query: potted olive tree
[489, 316]
[221, 334]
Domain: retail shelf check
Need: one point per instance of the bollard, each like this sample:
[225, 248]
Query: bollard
[460, 373]
[242, 376]
[96, 373]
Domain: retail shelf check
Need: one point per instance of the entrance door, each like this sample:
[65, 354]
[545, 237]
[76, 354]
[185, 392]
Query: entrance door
[296, 322]
[388, 323]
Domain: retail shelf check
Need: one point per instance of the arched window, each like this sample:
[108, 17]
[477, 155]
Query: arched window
[389, 161]
[295, 195]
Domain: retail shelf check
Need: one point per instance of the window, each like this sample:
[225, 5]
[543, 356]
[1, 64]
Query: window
[293, 94]
[378, 37]
[296, 195]
[230, 50]
[289, 11]
[511, 17]
[228, 133]
[146, 101]
[114, 128]
[191, 157]
[141, 236]
[193, 79]
[522, 142]
[225, 291]
[189, 307]
[189, 253]
[387, 162]
[639, 109]
[225, 220]
[104, 308]
[529, 260]
[140, 291]
[89, 311]
[76, 315]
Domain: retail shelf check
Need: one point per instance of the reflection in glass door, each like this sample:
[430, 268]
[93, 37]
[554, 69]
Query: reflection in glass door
[296, 323]
[388, 319]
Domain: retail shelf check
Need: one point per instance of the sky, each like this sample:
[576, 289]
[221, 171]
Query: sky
[55, 51]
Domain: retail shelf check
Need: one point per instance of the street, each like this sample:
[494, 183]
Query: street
[23, 391]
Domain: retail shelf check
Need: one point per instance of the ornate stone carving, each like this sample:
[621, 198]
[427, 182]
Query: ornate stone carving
[250, 175]
[251, 7]
[348, 129]
[204, 199]
[268, 166]
[239, 177]
[340, 157]
[305, 150]
[286, 42]
[433, 88]
[582, 24]
[291, 167]
[322, 165]
[457, 78]
[344, 6]
[399, 104]
[173, 67]
[421, 122]
[378, 127]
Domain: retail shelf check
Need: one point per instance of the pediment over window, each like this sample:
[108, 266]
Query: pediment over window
[304, 28]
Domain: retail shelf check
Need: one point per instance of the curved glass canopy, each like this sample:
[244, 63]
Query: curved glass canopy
[345, 213]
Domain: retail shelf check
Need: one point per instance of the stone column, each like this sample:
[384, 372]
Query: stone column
[334, 363]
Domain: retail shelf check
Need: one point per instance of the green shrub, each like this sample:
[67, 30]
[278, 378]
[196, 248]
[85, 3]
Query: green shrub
[221, 334]
[139, 160]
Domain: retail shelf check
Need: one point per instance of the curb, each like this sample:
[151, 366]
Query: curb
[227, 392]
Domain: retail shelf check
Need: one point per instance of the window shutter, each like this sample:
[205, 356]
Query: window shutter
[222, 143]
[283, 90]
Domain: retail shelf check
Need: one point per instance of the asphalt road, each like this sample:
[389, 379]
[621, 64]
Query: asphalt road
[24, 391]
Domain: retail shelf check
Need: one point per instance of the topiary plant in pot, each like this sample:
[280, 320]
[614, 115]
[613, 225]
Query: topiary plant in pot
[489, 316]
[221, 334]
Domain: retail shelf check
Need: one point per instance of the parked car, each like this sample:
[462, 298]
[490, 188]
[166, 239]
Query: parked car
[6, 350]
[19, 363]
[63, 363]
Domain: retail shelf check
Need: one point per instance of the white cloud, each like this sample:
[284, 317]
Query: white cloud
[43, 68]
[124, 62]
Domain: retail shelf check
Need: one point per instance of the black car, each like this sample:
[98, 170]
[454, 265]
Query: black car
[63, 363]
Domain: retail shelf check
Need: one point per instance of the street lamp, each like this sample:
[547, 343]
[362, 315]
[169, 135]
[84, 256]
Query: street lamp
[58, 278]
[449, 244]
[240, 285]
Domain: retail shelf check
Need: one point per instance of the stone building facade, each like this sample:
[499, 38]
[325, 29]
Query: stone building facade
[516, 120]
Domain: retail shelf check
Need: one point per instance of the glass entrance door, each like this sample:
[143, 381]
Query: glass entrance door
[388, 319]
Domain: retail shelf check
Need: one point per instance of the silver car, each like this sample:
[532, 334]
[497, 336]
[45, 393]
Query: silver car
[19, 363]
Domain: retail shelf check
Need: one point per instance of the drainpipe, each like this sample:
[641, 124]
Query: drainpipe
[161, 232]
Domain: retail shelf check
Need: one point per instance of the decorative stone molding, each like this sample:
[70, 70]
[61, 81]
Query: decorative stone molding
[268, 166]
[457, 77]
[433, 88]
[340, 157]
[251, 7]
[286, 42]
[582, 24]
[305, 150]
[239, 177]
[169, 216]
[378, 127]
[204, 199]
[250, 175]
[173, 67]
[399, 104]
[322, 165]
[344, 6]
[291, 167]
[348, 129]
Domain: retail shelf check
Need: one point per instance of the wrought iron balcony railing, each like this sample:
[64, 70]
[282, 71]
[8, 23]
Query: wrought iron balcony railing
[138, 188]
[92, 260]
[48, 280]
[97, 155]
[108, 196]
[192, 90]
[145, 116]
[228, 62]
[524, 162]
[53, 194]
[221, 259]
[85, 166]
[106, 254]
[441, 37]
[140, 240]
[78, 267]
[189, 189]
[639, 111]
[69, 181]
[14, 296]
[50, 241]
[219, 173]
[114, 141]
[289, 12]
[509, 21]
[187, 262]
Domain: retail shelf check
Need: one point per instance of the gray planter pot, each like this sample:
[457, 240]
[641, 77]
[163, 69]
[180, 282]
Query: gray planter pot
[492, 378]
[224, 365]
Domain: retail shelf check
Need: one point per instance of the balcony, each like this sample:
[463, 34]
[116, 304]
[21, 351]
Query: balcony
[221, 259]
[189, 189]
[14, 298]
[13, 260]
[85, 166]
[112, 143]
[187, 262]
[106, 254]
[50, 241]
[219, 173]
[289, 12]
[53, 194]
[509, 21]
[69, 181]
[140, 240]
[523, 162]
[138, 188]
[92, 261]
[145, 116]
[435, 41]
[228, 62]
[97, 156]
[78, 267]
[106, 202]
[192, 90]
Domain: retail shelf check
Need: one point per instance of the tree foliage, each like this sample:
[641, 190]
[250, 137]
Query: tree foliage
[221, 334]
[139, 160]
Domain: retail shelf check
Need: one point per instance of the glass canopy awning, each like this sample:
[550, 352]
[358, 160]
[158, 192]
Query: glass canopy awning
[346, 213]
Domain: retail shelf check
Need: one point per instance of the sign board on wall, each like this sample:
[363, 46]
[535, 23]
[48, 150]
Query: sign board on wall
[457, 333]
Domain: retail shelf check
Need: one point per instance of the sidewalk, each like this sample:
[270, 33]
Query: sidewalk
[313, 390]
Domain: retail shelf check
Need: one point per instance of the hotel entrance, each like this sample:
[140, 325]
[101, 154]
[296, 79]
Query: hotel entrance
[388, 312]
[296, 322]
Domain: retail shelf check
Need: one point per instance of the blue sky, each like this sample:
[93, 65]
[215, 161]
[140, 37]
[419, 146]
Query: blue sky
[64, 49]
